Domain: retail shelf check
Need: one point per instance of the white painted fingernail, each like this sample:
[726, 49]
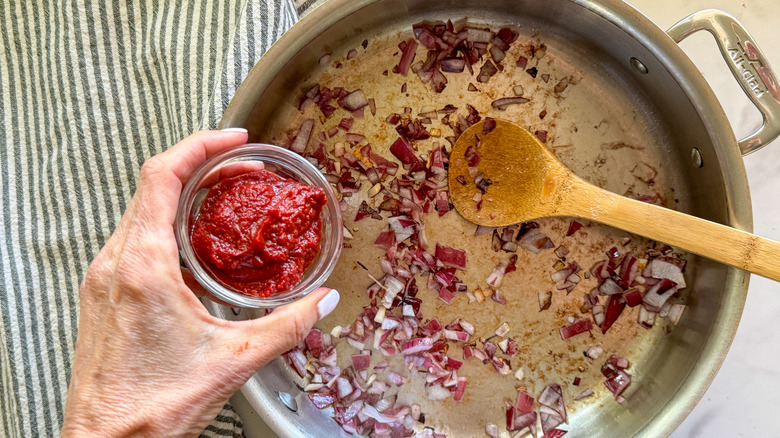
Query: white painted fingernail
[328, 303]
[235, 130]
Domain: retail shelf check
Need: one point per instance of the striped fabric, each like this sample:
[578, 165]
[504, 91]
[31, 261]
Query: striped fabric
[303, 7]
[89, 89]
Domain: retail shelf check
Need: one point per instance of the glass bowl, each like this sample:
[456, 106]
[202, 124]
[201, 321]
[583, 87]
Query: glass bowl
[285, 164]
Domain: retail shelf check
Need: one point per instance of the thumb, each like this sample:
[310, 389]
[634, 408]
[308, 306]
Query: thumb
[288, 325]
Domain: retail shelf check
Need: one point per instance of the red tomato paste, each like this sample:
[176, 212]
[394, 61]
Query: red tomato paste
[259, 232]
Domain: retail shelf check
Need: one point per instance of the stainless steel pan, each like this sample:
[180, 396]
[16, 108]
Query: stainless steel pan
[635, 98]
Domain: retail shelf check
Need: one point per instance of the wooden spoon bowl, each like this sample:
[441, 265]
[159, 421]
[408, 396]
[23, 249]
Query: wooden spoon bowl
[529, 182]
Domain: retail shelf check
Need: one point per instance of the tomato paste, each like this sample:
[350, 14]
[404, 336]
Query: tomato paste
[259, 232]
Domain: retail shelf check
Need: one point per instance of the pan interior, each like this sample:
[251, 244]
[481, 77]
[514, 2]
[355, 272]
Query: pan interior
[624, 130]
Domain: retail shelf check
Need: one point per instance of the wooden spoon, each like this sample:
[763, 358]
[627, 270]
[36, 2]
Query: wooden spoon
[528, 182]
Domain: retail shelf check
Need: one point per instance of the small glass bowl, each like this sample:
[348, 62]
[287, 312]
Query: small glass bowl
[285, 164]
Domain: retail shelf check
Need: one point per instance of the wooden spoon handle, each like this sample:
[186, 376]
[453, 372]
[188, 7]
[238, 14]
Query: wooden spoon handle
[700, 236]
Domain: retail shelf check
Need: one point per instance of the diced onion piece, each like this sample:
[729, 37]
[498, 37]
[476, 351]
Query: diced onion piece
[675, 312]
[505, 102]
[453, 257]
[354, 100]
[610, 287]
[479, 35]
[392, 287]
[545, 298]
[576, 328]
[360, 361]
[416, 345]
[646, 318]
[298, 361]
[594, 352]
[402, 226]
[503, 329]
[302, 139]
[615, 306]
[403, 150]
[633, 297]
[662, 269]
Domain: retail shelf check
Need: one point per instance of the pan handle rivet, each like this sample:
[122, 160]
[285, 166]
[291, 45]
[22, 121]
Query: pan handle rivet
[696, 157]
[288, 401]
[638, 66]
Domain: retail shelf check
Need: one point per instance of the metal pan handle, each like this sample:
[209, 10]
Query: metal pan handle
[747, 64]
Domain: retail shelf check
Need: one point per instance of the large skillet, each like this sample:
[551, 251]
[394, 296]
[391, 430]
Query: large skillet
[660, 106]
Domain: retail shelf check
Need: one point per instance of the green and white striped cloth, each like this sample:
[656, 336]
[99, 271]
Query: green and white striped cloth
[89, 89]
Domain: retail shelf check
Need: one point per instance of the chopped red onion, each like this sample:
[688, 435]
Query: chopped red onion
[530, 238]
[395, 378]
[298, 360]
[561, 85]
[502, 330]
[321, 399]
[576, 328]
[354, 100]
[446, 295]
[656, 296]
[302, 139]
[402, 149]
[545, 299]
[416, 345]
[361, 361]
[609, 287]
[675, 312]
[573, 227]
[505, 102]
[497, 54]
[583, 394]
[392, 287]
[497, 276]
[594, 352]
[549, 418]
[663, 269]
[453, 257]
[314, 342]
[486, 72]
[479, 35]
[452, 65]
[646, 318]
[633, 297]
[407, 57]
[402, 226]
[615, 306]
[618, 382]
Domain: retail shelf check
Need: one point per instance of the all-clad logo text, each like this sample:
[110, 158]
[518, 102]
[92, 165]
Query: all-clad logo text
[743, 61]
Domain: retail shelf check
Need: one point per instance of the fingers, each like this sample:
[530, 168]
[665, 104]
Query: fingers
[183, 158]
[162, 176]
[231, 170]
[286, 326]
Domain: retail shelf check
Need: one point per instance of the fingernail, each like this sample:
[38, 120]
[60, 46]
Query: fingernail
[235, 129]
[328, 303]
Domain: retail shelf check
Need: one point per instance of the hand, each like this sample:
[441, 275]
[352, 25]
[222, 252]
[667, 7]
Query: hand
[150, 360]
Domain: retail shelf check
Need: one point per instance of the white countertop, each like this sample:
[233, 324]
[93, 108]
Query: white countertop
[743, 399]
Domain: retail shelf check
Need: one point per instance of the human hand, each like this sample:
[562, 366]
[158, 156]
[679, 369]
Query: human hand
[150, 360]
